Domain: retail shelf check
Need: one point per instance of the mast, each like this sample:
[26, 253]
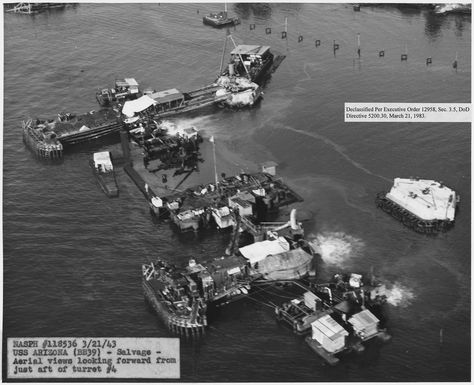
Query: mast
[222, 58]
[214, 154]
[240, 56]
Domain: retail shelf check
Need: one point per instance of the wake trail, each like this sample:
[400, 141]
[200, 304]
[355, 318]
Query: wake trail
[338, 149]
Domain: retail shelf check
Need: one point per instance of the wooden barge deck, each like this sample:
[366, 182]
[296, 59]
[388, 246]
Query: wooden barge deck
[193, 195]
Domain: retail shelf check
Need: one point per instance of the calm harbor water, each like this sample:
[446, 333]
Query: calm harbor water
[72, 257]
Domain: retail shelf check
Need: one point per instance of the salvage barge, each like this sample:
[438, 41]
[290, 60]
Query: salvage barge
[425, 206]
[180, 296]
[257, 194]
[339, 315]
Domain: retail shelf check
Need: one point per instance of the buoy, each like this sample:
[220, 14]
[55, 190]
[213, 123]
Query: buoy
[358, 44]
[336, 46]
[300, 39]
[455, 64]
[404, 56]
[428, 60]
[317, 43]
[283, 35]
[381, 53]
[268, 30]
[252, 27]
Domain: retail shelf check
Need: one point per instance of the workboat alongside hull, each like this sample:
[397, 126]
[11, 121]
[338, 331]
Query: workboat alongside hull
[103, 170]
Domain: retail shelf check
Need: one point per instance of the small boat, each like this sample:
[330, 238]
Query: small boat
[125, 89]
[220, 19]
[452, 8]
[104, 171]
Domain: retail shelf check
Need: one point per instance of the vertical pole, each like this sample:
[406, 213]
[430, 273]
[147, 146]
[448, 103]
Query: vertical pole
[358, 44]
[286, 24]
[125, 146]
[215, 164]
[222, 58]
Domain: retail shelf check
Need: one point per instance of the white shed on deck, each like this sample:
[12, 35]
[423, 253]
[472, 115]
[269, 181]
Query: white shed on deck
[241, 204]
[311, 300]
[330, 334]
[258, 251]
[365, 323]
[223, 217]
[269, 167]
[102, 161]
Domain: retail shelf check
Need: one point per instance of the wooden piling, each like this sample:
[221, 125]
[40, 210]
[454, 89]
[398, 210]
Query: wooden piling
[125, 146]
[358, 44]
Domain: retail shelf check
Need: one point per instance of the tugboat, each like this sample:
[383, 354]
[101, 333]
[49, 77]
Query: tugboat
[125, 89]
[220, 20]
[425, 206]
[250, 61]
[103, 169]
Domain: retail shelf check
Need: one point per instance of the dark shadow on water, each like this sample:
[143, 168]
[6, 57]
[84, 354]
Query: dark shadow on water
[259, 10]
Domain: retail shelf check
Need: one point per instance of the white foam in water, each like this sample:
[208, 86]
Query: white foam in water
[397, 294]
[337, 247]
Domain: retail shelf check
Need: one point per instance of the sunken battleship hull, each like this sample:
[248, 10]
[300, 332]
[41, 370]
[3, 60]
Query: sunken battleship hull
[47, 138]
[43, 144]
